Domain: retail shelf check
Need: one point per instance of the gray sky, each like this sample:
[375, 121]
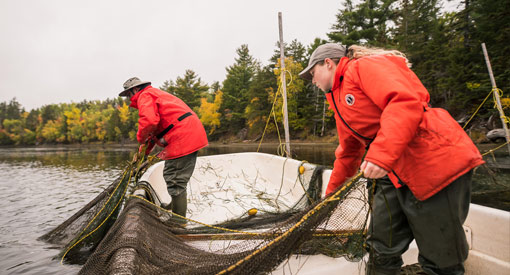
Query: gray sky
[62, 51]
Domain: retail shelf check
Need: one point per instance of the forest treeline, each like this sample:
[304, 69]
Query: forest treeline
[443, 47]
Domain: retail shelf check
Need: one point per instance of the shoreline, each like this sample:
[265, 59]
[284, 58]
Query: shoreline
[215, 143]
[483, 147]
[134, 144]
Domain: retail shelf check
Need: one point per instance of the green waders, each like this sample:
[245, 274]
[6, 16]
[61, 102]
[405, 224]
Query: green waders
[177, 173]
[436, 224]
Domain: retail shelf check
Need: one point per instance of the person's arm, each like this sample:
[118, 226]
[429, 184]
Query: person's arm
[348, 157]
[149, 118]
[395, 90]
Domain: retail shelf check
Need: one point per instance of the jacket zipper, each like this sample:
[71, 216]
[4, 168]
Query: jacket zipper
[345, 122]
[358, 134]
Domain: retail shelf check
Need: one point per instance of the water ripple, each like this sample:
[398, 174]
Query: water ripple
[39, 190]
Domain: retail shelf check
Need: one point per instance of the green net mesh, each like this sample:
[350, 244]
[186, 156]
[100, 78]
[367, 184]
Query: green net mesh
[144, 239]
[83, 231]
[80, 234]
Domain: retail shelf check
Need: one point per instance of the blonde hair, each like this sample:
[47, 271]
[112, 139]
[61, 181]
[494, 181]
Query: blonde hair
[356, 51]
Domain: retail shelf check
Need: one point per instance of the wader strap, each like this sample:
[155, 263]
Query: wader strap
[160, 135]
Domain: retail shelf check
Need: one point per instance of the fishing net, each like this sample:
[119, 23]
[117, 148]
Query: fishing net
[132, 234]
[80, 234]
[146, 240]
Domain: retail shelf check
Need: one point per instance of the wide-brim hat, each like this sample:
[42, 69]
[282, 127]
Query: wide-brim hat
[328, 50]
[131, 83]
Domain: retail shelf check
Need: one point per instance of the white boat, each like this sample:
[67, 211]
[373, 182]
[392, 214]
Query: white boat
[227, 186]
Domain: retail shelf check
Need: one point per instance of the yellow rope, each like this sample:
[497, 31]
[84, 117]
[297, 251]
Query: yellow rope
[223, 228]
[269, 117]
[290, 230]
[478, 109]
[493, 93]
[500, 92]
[505, 118]
[191, 220]
[281, 150]
[90, 233]
[129, 168]
[494, 149]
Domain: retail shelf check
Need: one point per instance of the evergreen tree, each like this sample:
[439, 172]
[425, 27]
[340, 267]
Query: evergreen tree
[235, 90]
[259, 107]
[32, 120]
[188, 88]
[422, 35]
[295, 49]
[11, 110]
[492, 27]
[113, 132]
[365, 23]
[49, 112]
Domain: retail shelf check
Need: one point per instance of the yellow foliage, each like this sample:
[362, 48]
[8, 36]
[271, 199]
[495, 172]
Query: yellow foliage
[208, 112]
[73, 116]
[124, 112]
[51, 131]
[505, 103]
[100, 130]
[75, 124]
[472, 85]
[117, 131]
[294, 85]
[292, 69]
[132, 135]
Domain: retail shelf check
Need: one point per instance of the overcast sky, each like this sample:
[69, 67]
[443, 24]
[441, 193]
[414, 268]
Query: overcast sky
[62, 51]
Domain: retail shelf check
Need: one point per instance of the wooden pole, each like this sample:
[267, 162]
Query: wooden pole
[284, 87]
[496, 95]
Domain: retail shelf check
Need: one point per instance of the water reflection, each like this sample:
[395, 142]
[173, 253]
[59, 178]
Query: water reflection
[69, 158]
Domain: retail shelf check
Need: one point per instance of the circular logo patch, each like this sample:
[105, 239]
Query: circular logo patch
[349, 99]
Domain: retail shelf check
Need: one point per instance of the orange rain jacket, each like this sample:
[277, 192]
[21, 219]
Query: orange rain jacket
[380, 104]
[158, 110]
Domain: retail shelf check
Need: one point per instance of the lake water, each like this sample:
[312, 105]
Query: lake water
[41, 187]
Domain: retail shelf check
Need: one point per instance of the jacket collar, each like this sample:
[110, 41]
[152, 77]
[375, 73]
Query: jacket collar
[134, 98]
[340, 71]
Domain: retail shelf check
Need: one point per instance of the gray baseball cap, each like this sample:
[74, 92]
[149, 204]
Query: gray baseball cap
[131, 83]
[328, 50]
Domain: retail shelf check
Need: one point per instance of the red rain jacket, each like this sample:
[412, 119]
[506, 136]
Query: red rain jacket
[157, 110]
[384, 106]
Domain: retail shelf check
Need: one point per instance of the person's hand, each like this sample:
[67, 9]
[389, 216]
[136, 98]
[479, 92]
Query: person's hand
[372, 171]
[137, 154]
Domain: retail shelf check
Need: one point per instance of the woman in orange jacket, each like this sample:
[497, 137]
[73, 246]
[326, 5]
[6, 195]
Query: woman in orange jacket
[419, 156]
[167, 121]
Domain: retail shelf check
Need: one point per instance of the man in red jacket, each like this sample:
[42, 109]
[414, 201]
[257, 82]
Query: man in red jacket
[167, 121]
[419, 156]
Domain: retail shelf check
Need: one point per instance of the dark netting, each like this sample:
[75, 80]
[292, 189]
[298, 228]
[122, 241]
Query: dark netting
[145, 240]
[79, 235]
